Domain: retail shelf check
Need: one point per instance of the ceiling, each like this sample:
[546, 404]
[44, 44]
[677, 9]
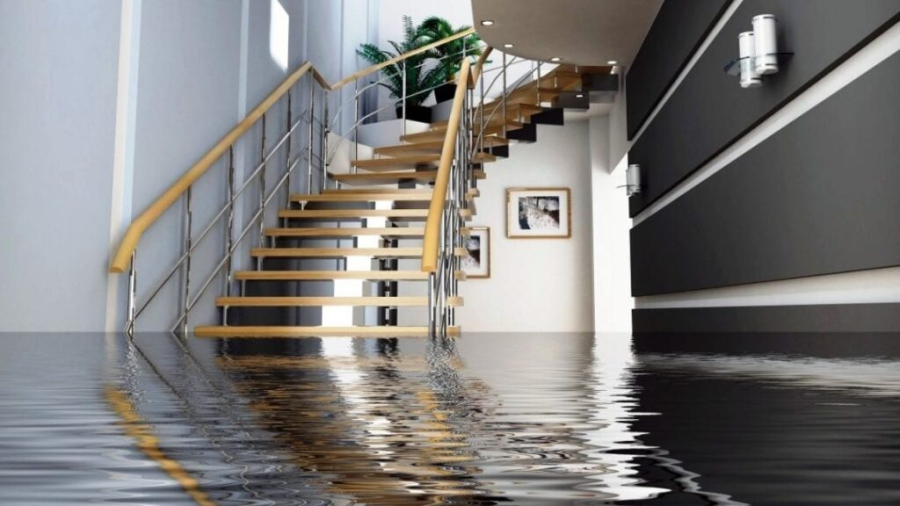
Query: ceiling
[581, 32]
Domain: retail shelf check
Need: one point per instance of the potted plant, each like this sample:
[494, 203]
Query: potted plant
[419, 78]
[451, 54]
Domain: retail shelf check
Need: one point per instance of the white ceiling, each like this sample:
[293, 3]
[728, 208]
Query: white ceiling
[582, 32]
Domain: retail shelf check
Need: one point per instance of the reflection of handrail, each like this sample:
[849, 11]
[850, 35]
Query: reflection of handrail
[439, 195]
[135, 427]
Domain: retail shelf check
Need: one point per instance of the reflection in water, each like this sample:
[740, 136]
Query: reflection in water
[486, 419]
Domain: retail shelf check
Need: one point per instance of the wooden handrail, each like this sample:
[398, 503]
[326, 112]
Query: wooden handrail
[439, 195]
[151, 214]
[139, 225]
[375, 68]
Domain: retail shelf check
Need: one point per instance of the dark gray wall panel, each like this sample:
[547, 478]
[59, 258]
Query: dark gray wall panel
[842, 318]
[673, 38]
[709, 110]
[821, 196]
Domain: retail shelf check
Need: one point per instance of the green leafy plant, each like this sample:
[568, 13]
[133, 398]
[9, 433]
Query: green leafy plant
[419, 76]
[453, 53]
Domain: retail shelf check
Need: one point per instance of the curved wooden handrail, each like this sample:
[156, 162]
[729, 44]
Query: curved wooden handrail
[151, 214]
[436, 208]
[138, 226]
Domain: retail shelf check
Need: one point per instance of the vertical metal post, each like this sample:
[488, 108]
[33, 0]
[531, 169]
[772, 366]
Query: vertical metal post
[186, 278]
[309, 146]
[403, 98]
[537, 85]
[262, 186]
[481, 123]
[356, 125]
[229, 226]
[431, 305]
[132, 295]
[287, 156]
[325, 131]
[504, 96]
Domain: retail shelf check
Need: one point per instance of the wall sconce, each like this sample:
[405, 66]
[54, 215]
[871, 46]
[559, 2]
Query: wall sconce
[758, 52]
[632, 180]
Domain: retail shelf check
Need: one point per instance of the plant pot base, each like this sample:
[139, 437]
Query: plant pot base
[415, 113]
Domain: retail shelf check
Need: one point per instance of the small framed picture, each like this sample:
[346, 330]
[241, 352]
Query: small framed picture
[477, 261]
[538, 213]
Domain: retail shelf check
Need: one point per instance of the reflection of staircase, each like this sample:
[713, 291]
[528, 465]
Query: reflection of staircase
[399, 180]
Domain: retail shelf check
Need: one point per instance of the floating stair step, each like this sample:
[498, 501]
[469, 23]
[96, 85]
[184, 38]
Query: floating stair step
[393, 177]
[373, 191]
[341, 252]
[301, 332]
[330, 301]
[433, 146]
[354, 214]
[327, 233]
[336, 252]
[331, 275]
[527, 134]
[550, 116]
[410, 162]
[366, 196]
[438, 134]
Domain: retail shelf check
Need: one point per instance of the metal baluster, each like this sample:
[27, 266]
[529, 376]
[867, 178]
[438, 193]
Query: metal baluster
[504, 96]
[132, 295]
[186, 278]
[538, 84]
[287, 147]
[431, 304]
[309, 146]
[325, 131]
[229, 227]
[356, 127]
[262, 191]
[481, 135]
[403, 98]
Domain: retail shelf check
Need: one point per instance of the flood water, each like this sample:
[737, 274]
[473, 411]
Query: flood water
[529, 419]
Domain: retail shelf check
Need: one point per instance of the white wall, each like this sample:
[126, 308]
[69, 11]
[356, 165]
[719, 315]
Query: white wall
[536, 285]
[611, 240]
[58, 102]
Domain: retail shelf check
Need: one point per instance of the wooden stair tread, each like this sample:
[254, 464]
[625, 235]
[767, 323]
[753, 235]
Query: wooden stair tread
[439, 133]
[353, 213]
[302, 332]
[346, 232]
[360, 196]
[342, 252]
[330, 301]
[393, 177]
[330, 275]
[355, 191]
[336, 252]
[412, 161]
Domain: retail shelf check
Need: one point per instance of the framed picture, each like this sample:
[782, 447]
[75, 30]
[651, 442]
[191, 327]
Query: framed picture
[538, 213]
[477, 261]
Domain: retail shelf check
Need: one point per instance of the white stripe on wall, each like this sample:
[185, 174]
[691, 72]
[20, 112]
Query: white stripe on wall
[862, 287]
[123, 153]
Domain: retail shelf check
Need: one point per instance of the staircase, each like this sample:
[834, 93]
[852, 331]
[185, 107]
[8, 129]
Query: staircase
[327, 261]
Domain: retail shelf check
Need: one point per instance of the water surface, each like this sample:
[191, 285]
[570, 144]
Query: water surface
[530, 419]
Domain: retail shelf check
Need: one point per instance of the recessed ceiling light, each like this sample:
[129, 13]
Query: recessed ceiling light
[580, 95]
[612, 62]
[487, 22]
[508, 45]
[555, 59]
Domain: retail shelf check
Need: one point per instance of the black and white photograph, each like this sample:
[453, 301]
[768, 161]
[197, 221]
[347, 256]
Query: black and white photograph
[542, 213]
[477, 261]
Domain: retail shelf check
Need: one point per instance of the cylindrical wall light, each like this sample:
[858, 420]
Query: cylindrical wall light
[749, 76]
[633, 179]
[765, 34]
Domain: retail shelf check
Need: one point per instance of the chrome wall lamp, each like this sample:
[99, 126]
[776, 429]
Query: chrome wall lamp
[758, 52]
[632, 180]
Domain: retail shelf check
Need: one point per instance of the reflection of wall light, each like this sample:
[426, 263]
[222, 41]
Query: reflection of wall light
[279, 29]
